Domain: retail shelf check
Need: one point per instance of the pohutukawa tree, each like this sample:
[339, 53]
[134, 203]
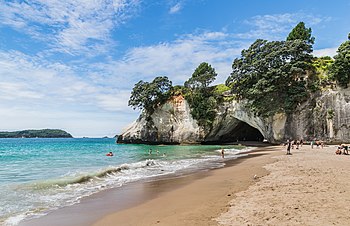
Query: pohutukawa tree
[271, 76]
[200, 96]
[340, 70]
[300, 32]
[148, 95]
[201, 77]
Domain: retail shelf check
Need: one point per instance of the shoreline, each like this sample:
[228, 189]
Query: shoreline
[198, 201]
[97, 209]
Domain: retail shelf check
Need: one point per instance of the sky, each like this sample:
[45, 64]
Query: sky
[71, 65]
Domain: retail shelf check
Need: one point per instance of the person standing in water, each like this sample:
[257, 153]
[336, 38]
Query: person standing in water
[222, 153]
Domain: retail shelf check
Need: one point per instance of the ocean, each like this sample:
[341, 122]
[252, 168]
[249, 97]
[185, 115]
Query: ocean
[38, 175]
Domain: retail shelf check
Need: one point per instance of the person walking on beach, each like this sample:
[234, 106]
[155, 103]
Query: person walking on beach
[222, 153]
[288, 144]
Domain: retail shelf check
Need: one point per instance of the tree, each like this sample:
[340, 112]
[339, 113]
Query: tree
[340, 69]
[271, 76]
[148, 96]
[302, 33]
[201, 77]
[200, 96]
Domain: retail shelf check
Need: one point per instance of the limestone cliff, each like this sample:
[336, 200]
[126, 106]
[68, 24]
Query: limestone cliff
[324, 116]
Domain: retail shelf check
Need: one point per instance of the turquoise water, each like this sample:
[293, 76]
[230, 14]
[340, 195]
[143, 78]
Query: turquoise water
[40, 175]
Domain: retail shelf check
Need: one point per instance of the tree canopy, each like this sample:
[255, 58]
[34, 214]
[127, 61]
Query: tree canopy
[300, 32]
[201, 77]
[271, 76]
[200, 95]
[340, 70]
[147, 95]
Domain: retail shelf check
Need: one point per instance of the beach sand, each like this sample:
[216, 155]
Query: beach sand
[310, 187]
[200, 201]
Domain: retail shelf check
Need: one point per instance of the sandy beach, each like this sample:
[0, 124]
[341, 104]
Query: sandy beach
[268, 187]
[309, 187]
[200, 201]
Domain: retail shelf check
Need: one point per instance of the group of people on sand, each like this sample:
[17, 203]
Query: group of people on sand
[293, 143]
[342, 149]
[318, 143]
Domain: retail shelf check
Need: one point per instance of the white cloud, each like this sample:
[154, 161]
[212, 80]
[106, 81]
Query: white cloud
[177, 59]
[14, 90]
[72, 27]
[176, 8]
[325, 52]
[44, 83]
[116, 101]
[276, 26]
[38, 94]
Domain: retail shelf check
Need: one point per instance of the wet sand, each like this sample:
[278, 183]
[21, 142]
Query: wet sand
[193, 199]
[201, 200]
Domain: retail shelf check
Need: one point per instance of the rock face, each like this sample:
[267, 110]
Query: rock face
[170, 123]
[324, 116]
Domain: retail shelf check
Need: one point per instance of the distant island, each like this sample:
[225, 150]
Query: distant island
[43, 133]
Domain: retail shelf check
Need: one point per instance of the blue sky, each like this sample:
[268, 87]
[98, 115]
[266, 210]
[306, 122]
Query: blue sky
[72, 64]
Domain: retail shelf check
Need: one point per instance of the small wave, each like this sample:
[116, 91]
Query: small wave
[88, 177]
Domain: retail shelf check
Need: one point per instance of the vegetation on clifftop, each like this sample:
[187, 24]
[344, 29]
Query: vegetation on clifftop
[149, 95]
[43, 133]
[270, 76]
[200, 96]
[340, 70]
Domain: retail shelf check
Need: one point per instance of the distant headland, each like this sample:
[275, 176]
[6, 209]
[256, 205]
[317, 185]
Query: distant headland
[42, 133]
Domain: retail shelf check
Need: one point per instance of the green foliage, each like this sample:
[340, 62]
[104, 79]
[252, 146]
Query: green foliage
[340, 70]
[322, 66]
[200, 97]
[203, 107]
[220, 89]
[44, 133]
[177, 90]
[201, 77]
[271, 76]
[300, 32]
[148, 96]
[330, 114]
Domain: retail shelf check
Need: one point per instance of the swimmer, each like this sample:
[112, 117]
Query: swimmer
[109, 154]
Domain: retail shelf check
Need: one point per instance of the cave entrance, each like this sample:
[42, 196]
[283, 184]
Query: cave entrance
[242, 132]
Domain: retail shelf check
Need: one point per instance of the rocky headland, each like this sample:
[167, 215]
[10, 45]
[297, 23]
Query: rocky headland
[324, 116]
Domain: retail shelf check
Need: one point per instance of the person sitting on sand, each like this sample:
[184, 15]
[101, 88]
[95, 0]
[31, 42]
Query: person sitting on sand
[345, 149]
[338, 151]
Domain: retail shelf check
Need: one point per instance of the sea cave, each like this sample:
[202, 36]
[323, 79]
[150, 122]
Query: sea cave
[240, 132]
